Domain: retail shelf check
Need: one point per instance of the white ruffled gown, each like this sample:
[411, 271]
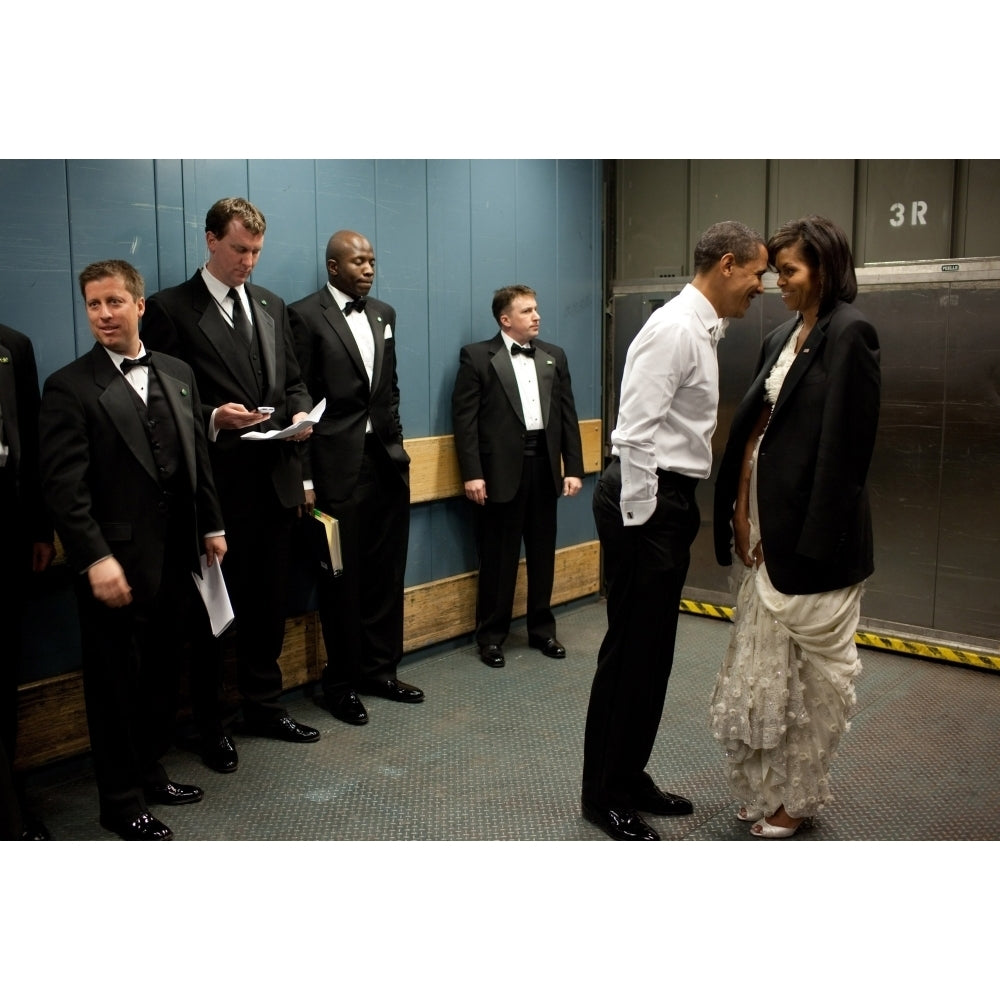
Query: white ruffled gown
[786, 687]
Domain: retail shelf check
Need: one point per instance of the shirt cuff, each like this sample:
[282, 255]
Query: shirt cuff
[636, 512]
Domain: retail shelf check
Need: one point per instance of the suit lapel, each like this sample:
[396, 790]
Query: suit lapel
[218, 332]
[178, 396]
[264, 322]
[803, 360]
[504, 368]
[118, 399]
[545, 372]
[377, 325]
[338, 323]
[8, 402]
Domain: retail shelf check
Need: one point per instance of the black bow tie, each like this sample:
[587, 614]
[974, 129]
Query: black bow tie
[358, 305]
[516, 349]
[128, 364]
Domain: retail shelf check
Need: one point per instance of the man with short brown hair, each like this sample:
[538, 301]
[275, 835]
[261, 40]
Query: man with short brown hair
[237, 338]
[126, 475]
[518, 441]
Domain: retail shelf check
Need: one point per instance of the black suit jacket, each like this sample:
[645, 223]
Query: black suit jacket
[488, 421]
[98, 472]
[332, 368]
[185, 321]
[19, 402]
[813, 460]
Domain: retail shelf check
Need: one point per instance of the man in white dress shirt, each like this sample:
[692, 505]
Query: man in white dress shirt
[647, 518]
[518, 442]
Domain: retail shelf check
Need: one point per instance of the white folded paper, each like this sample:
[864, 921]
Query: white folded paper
[314, 414]
[212, 587]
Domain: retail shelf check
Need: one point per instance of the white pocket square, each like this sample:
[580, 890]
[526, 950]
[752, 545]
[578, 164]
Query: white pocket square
[388, 332]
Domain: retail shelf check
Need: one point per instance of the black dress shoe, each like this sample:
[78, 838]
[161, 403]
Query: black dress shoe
[174, 794]
[619, 824]
[394, 690]
[492, 655]
[283, 727]
[652, 800]
[348, 708]
[549, 647]
[34, 829]
[219, 753]
[144, 827]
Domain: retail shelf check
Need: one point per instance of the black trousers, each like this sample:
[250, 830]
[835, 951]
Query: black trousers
[131, 665]
[361, 611]
[530, 515]
[15, 571]
[645, 567]
[255, 568]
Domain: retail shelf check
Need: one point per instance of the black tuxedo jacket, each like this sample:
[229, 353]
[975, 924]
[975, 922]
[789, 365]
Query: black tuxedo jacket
[99, 474]
[813, 460]
[185, 321]
[19, 401]
[488, 421]
[332, 368]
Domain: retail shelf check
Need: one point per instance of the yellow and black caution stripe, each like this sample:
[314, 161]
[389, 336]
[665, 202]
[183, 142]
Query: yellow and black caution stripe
[893, 644]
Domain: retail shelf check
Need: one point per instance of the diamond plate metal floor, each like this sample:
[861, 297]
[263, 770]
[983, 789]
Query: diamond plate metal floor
[495, 755]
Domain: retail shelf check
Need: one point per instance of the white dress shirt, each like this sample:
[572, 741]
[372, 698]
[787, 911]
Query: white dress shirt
[137, 377]
[669, 400]
[527, 385]
[362, 331]
[219, 291]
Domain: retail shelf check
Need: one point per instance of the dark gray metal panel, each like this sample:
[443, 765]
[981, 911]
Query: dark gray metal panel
[652, 231]
[908, 210]
[968, 570]
[812, 187]
[982, 223]
[726, 189]
[935, 474]
[905, 476]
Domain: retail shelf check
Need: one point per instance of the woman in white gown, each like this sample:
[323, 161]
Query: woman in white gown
[791, 501]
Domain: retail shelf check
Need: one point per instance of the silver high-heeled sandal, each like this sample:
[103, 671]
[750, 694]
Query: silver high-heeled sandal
[746, 815]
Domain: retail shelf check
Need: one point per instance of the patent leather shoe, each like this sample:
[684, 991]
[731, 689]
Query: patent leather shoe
[394, 690]
[652, 800]
[174, 794]
[219, 753]
[34, 829]
[144, 827]
[549, 647]
[348, 708]
[492, 655]
[619, 824]
[282, 727]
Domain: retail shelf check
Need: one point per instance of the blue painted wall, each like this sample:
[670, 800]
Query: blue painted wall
[446, 234]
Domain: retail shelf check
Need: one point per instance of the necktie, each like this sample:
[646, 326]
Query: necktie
[128, 364]
[515, 349]
[241, 322]
[358, 305]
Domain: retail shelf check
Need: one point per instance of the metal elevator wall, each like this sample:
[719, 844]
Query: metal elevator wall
[935, 475]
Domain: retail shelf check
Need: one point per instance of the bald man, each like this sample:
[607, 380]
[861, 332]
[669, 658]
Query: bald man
[358, 472]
